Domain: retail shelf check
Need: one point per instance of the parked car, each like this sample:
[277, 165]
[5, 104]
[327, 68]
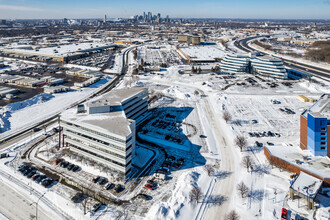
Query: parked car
[96, 207]
[119, 188]
[152, 183]
[75, 168]
[144, 196]
[33, 172]
[149, 186]
[70, 166]
[102, 181]
[109, 186]
[284, 214]
[96, 179]
[58, 160]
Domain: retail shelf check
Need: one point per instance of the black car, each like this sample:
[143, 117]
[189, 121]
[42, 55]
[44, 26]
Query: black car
[96, 207]
[46, 182]
[31, 174]
[40, 178]
[109, 186]
[70, 166]
[64, 164]
[102, 181]
[152, 183]
[144, 196]
[75, 168]
[119, 188]
[96, 179]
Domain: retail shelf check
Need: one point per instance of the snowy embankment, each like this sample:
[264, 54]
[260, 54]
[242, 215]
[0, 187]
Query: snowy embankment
[300, 60]
[24, 114]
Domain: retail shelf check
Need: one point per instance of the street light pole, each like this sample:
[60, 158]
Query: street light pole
[37, 205]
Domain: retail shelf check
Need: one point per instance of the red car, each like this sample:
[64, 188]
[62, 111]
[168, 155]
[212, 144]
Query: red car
[149, 186]
[284, 214]
[58, 160]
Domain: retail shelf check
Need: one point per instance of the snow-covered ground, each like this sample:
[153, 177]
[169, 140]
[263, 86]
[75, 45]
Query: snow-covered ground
[205, 97]
[18, 115]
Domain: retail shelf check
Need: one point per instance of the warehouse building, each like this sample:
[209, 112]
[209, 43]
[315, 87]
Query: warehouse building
[315, 127]
[103, 130]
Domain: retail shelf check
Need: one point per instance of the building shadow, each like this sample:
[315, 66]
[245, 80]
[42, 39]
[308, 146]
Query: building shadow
[164, 131]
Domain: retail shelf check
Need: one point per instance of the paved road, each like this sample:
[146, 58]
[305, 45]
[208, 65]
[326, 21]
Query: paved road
[15, 206]
[225, 185]
[305, 68]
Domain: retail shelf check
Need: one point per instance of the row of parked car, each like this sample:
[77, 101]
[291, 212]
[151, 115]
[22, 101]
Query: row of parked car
[287, 110]
[264, 134]
[32, 173]
[107, 185]
[65, 164]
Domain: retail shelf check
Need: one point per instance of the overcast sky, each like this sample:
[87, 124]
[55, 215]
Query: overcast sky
[284, 9]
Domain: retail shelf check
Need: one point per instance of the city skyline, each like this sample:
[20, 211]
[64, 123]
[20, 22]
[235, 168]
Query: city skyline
[255, 9]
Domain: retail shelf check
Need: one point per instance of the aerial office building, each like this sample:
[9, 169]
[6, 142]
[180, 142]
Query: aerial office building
[315, 127]
[262, 65]
[103, 130]
[235, 63]
[268, 66]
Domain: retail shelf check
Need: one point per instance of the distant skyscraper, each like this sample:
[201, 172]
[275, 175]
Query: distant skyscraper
[105, 18]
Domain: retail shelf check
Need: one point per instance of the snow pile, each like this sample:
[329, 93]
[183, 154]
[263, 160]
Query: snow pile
[180, 196]
[177, 92]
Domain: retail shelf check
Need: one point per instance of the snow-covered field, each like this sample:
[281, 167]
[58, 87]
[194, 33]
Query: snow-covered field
[18, 115]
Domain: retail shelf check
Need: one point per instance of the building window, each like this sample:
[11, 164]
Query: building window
[322, 129]
[322, 148]
[322, 133]
[323, 138]
[322, 143]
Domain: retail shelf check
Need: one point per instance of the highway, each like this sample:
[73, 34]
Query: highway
[302, 67]
[20, 134]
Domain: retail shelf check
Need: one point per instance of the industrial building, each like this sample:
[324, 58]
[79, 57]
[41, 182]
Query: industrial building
[195, 40]
[262, 65]
[103, 130]
[315, 126]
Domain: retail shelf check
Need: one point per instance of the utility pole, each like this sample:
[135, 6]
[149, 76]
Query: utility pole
[37, 205]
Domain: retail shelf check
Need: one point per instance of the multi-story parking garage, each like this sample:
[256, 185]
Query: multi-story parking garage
[103, 130]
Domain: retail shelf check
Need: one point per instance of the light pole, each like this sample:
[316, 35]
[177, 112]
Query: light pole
[37, 205]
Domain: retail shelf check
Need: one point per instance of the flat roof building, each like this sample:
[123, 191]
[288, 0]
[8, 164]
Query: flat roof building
[103, 130]
[315, 127]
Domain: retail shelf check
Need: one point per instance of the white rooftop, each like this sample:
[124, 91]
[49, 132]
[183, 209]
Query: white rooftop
[307, 184]
[317, 165]
[322, 106]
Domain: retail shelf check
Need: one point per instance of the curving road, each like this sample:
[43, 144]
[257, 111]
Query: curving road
[305, 68]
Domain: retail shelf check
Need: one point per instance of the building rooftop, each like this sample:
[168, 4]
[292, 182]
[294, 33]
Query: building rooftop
[316, 165]
[114, 122]
[110, 122]
[322, 106]
[307, 184]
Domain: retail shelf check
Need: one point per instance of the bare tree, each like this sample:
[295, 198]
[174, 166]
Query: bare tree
[85, 204]
[196, 93]
[242, 189]
[247, 162]
[241, 142]
[226, 116]
[195, 194]
[209, 169]
[232, 215]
